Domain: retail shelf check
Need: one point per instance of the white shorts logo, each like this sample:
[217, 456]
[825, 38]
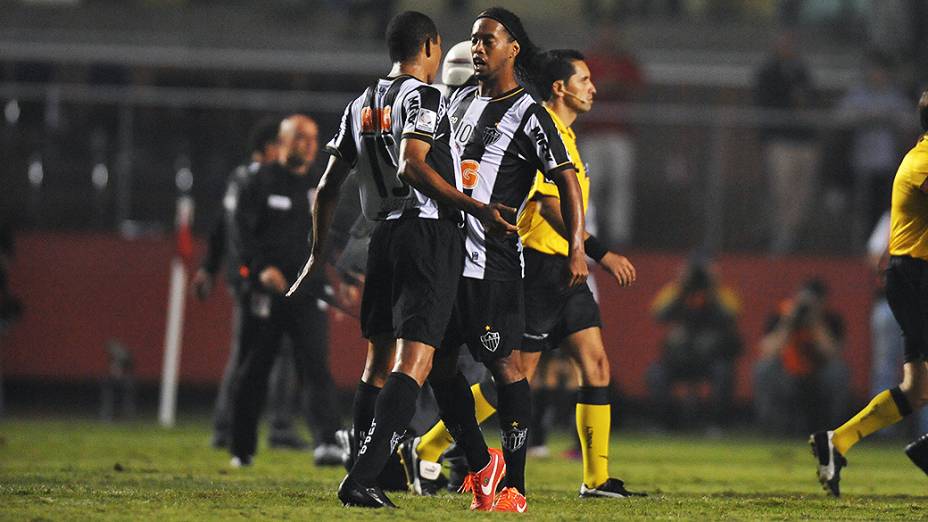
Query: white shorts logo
[279, 202]
[490, 341]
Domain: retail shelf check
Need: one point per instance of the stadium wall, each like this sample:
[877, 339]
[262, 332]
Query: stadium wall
[79, 290]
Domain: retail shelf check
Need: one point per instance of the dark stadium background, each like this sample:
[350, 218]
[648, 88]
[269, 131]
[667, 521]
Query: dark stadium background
[148, 87]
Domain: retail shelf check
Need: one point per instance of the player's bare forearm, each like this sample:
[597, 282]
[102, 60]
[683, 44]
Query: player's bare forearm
[417, 172]
[571, 209]
[550, 208]
[326, 200]
[323, 214]
[423, 178]
[618, 266]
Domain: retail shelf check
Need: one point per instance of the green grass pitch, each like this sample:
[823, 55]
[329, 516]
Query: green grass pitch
[83, 470]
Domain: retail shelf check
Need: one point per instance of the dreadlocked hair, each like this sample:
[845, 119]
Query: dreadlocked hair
[530, 61]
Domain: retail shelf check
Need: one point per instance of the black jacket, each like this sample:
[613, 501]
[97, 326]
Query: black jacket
[221, 246]
[272, 221]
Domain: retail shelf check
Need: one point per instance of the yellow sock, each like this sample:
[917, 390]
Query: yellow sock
[887, 408]
[593, 424]
[437, 440]
[483, 410]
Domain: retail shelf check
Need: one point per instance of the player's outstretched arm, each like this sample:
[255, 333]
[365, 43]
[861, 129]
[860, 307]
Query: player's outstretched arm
[616, 265]
[572, 211]
[416, 171]
[323, 214]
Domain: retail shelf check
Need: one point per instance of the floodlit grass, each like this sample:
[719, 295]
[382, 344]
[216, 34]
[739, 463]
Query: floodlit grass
[56, 470]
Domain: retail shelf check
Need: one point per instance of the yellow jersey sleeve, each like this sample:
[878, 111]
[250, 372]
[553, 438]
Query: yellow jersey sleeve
[545, 187]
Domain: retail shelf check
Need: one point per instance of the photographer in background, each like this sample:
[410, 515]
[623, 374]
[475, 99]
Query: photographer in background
[701, 344]
[801, 375]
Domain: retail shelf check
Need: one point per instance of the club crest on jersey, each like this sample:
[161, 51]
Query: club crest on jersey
[470, 174]
[490, 341]
[491, 135]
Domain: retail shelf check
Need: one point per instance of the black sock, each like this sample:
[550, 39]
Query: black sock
[515, 414]
[364, 400]
[456, 404]
[395, 408]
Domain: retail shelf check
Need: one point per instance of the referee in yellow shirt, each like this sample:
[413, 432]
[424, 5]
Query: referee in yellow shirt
[907, 294]
[568, 318]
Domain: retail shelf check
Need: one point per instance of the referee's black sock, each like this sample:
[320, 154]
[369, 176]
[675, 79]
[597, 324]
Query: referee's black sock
[456, 404]
[395, 408]
[364, 400]
[515, 414]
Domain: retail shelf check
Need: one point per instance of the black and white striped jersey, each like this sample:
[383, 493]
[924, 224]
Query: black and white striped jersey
[369, 137]
[502, 142]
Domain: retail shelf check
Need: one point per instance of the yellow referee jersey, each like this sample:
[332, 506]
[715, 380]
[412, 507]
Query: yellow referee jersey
[909, 230]
[534, 230]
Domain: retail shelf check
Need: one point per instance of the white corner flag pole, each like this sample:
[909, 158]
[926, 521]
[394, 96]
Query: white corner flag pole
[174, 330]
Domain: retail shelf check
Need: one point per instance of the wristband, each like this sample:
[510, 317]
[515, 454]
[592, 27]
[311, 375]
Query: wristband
[594, 249]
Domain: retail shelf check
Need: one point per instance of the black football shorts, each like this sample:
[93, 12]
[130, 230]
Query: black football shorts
[553, 311]
[413, 269]
[907, 295]
[489, 317]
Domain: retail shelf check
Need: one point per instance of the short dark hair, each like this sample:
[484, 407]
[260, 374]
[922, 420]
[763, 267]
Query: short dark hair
[262, 134]
[558, 65]
[407, 32]
[528, 63]
[923, 110]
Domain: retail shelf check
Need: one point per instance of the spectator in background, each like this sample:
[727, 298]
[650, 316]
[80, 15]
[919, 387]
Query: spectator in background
[701, 344]
[608, 146]
[876, 110]
[791, 155]
[801, 375]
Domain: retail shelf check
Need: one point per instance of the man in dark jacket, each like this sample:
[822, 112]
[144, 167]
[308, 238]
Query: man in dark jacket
[271, 232]
[221, 254]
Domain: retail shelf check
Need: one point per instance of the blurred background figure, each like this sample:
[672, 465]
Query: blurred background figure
[876, 111]
[790, 152]
[284, 399]
[554, 400]
[271, 231]
[608, 146]
[700, 347]
[801, 377]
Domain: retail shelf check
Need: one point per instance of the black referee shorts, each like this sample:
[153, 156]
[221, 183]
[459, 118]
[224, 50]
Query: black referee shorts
[553, 311]
[413, 269]
[489, 317]
[907, 295]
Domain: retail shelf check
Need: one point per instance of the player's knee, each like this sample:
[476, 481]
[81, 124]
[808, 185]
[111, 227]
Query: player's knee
[507, 370]
[594, 368]
[915, 385]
